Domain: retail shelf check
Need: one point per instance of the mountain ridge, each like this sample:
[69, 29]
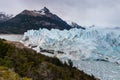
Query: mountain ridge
[32, 19]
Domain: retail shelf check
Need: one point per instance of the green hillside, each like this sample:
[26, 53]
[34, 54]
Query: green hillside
[7, 74]
[27, 63]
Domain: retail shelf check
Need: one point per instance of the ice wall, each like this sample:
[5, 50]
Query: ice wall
[77, 44]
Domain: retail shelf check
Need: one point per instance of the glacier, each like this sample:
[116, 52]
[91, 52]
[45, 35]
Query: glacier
[89, 44]
[93, 46]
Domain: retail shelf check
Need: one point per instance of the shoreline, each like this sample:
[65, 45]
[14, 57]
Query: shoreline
[11, 37]
[11, 34]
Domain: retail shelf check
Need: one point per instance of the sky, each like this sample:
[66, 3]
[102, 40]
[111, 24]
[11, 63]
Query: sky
[102, 13]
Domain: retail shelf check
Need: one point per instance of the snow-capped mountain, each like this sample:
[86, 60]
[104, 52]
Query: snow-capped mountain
[4, 17]
[33, 19]
[76, 44]
[41, 12]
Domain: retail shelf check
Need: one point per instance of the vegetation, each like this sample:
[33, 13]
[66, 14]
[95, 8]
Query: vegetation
[27, 63]
[7, 74]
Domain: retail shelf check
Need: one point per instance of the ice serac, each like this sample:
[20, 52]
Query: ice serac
[76, 44]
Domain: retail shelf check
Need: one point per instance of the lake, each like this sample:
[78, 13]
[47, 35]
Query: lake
[11, 37]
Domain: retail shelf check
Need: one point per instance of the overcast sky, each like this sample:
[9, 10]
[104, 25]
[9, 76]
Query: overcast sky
[84, 12]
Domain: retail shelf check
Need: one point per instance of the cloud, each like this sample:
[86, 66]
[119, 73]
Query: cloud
[84, 12]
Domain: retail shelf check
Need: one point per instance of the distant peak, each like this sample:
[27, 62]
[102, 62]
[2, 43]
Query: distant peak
[45, 10]
[4, 16]
[25, 12]
[28, 12]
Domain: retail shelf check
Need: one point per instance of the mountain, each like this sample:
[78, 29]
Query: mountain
[28, 20]
[4, 17]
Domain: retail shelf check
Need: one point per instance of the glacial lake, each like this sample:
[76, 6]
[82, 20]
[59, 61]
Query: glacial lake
[11, 37]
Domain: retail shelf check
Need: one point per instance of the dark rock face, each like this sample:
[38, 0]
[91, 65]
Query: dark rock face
[27, 20]
[75, 25]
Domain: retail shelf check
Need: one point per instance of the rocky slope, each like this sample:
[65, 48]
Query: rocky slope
[75, 25]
